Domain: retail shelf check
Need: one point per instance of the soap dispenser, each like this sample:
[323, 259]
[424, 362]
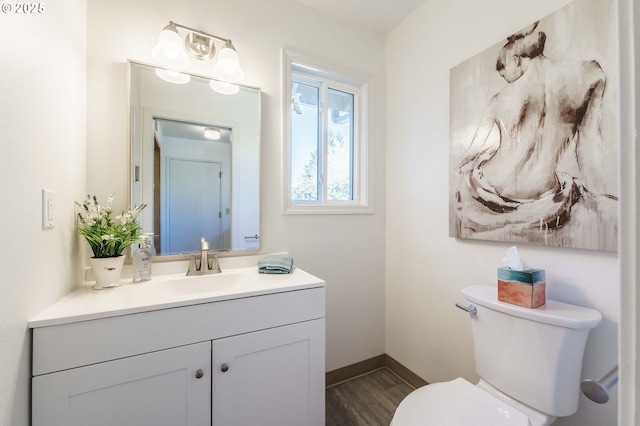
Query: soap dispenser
[142, 259]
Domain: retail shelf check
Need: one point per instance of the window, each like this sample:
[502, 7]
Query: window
[325, 143]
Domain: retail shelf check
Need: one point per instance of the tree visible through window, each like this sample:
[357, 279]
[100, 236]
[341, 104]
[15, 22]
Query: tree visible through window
[339, 188]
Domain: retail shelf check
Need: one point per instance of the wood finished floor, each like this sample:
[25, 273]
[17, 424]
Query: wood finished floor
[369, 400]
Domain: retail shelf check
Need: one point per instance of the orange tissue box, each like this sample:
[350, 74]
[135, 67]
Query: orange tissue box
[523, 288]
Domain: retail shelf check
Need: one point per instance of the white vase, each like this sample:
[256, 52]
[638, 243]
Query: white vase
[106, 271]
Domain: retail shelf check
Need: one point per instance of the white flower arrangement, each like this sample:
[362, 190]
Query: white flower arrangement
[108, 236]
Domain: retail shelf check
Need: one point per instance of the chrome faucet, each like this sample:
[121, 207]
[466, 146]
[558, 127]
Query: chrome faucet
[203, 267]
[204, 255]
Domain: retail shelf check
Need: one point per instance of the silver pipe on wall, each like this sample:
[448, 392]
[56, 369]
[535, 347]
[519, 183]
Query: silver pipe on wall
[598, 390]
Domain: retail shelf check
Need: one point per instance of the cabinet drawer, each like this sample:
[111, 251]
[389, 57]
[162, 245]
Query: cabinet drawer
[61, 347]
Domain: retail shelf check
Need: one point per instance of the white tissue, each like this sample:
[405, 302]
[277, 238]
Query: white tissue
[513, 260]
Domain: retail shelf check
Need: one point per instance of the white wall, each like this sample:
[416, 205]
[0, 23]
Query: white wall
[42, 126]
[425, 268]
[346, 251]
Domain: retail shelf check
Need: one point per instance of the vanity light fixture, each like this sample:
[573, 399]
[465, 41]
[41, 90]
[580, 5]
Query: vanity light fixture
[211, 134]
[173, 52]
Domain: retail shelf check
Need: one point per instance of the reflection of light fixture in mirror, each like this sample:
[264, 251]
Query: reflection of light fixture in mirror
[173, 53]
[224, 88]
[173, 76]
[211, 134]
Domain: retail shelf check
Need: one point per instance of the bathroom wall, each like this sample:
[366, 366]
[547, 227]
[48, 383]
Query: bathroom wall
[426, 269]
[345, 250]
[42, 145]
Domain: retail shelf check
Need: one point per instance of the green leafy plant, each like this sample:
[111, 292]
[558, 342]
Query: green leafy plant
[107, 235]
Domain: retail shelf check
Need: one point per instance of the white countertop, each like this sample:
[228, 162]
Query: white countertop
[163, 292]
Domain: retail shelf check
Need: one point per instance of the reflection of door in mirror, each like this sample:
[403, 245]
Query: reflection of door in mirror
[195, 208]
[192, 186]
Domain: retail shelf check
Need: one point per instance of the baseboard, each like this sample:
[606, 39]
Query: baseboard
[404, 373]
[354, 370]
[363, 367]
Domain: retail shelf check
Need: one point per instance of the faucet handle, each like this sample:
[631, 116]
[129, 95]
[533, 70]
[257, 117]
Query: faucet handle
[204, 245]
[193, 267]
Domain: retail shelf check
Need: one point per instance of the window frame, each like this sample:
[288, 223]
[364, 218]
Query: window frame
[347, 81]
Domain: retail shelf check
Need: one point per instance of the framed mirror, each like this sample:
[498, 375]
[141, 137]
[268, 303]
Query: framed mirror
[195, 160]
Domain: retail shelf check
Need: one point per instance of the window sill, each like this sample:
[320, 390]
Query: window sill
[327, 209]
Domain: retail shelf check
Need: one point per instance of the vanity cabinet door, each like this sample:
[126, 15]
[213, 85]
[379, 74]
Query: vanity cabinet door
[270, 377]
[170, 387]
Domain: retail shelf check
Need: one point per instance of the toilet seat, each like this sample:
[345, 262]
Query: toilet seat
[456, 403]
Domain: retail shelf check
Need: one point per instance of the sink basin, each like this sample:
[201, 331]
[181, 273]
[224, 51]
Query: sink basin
[215, 283]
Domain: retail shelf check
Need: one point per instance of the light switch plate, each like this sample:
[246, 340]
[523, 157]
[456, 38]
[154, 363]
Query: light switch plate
[48, 208]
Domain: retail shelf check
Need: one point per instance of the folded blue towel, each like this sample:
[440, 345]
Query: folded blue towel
[275, 265]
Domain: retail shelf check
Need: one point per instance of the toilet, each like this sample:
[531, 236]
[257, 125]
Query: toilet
[529, 362]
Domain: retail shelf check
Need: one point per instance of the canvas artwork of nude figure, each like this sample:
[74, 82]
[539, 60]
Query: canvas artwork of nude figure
[533, 139]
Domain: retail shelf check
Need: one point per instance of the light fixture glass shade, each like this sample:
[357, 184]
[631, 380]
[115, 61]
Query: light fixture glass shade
[170, 51]
[224, 88]
[227, 67]
[173, 76]
[211, 134]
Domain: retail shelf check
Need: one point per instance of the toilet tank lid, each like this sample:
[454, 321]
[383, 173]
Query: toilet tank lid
[552, 312]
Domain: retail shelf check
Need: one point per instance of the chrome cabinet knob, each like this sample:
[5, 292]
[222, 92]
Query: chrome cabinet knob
[199, 373]
[224, 367]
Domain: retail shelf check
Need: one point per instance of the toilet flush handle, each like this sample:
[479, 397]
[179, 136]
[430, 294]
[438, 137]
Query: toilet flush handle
[471, 308]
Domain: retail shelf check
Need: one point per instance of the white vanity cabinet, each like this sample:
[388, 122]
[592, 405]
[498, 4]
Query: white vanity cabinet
[255, 360]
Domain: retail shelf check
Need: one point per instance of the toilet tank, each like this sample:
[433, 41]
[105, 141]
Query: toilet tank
[532, 355]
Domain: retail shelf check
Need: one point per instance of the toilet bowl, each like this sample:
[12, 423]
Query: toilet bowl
[529, 362]
[460, 403]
